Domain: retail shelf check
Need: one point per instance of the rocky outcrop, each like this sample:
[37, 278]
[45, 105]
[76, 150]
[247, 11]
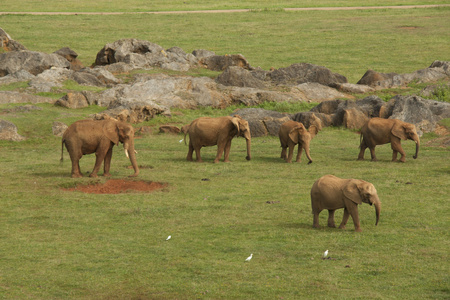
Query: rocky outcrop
[144, 54]
[8, 44]
[302, 73]
[30, 61]
[8, 132]
[438, 70]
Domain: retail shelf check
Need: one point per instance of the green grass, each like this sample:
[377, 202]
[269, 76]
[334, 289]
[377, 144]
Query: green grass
[347, 42]
[58, 244]
[176, 5]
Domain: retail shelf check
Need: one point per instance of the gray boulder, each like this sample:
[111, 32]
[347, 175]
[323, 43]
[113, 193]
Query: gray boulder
[237, 76]
[222, 62]
[16, 97]
[144, 54]
[303, 73]
[8, 132]
[425, 114]
[58, 128]
[8, 44]
[262, 122]
[30, 61]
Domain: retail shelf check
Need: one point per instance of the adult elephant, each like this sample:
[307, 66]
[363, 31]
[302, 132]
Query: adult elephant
[292, 133]
[91, 136]
[331, 193]
[378, 131]
[206, 131]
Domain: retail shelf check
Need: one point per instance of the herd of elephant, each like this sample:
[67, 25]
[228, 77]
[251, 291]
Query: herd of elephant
[328, 192]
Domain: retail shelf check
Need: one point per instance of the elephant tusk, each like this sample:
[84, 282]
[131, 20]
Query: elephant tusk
[126, 153]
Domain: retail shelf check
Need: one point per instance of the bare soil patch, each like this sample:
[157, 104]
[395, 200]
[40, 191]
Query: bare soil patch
[117, 186]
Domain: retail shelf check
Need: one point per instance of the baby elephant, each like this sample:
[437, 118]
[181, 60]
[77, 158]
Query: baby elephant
[331, 193]
[292, 133]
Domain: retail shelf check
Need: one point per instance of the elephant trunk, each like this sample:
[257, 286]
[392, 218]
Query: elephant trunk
[377, 205]
[417, 148]
[130, 152]
[248, 149]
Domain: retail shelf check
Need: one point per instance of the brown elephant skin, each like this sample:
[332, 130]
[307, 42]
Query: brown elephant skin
[378, 131]
[292, 133]
[330, 192]
[91, 136]
[206, 131]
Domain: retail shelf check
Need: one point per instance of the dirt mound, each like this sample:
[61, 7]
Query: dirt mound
[117, 186]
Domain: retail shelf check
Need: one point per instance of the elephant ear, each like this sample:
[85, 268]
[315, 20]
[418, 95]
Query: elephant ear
[399, 130]
[296, 132]
[351, 192]
[110, 130]
[235, 121]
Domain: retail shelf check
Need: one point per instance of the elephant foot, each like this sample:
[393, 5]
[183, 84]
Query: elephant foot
[360, 158]
[332, 225]
[374, 159]
[341, 226]
[134, 175]
[248, 158]
[106, 175]
[402, 160]
[358, 229]
[93, 175]
[76, 176]
[316, 226]
[310, 162]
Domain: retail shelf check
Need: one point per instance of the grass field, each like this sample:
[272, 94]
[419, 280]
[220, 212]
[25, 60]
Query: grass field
[176, 5]
[58, 244]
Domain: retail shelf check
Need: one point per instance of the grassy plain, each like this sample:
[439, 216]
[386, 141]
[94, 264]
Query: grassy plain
[57, 244]
[347, 42]
[177, 5]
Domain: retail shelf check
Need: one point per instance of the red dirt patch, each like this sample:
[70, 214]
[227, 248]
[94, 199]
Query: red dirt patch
[117, 186]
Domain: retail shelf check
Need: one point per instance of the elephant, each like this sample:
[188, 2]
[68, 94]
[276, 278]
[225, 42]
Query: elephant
[292, 133]
[99, 137]
[378, 131]
[331, 193]
[206, 131]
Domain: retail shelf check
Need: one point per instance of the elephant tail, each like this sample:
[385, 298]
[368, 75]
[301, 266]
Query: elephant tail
[62, 151]
[360, 140]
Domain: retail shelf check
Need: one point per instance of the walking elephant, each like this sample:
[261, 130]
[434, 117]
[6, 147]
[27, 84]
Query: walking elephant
[378, 131]
[292, 133]
[206, 131]
[331, 193]
[90, 136]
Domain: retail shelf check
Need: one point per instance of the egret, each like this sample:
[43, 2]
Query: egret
[169, 237]
[249, 258]
[325, 254]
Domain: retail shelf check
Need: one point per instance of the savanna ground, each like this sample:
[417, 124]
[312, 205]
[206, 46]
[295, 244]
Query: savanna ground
[59, 244]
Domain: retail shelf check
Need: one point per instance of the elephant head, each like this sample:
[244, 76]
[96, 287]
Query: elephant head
[407, 131]
[243, 130]
[359, 191]
[124, 133]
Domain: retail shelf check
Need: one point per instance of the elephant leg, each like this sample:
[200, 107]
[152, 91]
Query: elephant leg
[344, 219]
[283, 152]
[372, 153]
[190, 152]
[331, 218]
[107, 163]
[363, 148]
[397, 147]
[291, 153]
[76, 171]
[316, 219]
[299, 153]
[197, 154]
[99, 158]
[227, 152]
[354, 213]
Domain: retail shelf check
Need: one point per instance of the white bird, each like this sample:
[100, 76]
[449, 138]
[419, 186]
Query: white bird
[181, 140]
[325, 254]
[169, 237]
[249, 258]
